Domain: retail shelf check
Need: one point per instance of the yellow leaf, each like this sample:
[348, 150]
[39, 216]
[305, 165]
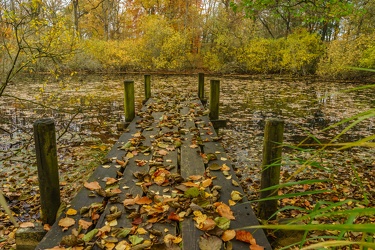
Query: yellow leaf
[141, 231]
[71, 211]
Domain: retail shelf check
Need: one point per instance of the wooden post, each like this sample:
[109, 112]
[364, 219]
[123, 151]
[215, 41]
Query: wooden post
[214, 99]
[129, 106]
[272, 149]
[46, 156]
[147, 87]
[201, 86]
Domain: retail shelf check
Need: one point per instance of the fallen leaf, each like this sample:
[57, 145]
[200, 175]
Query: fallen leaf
[222, 223]
[135, 240]
[173, 216]
[207, 224]
[214, 167]
[71, 211]
[66, 222]
[110, 181]
[92, 185]
[228, 235]
[162, 152]
[84, 224]
[27, 224]
[231, 203]
[245, 237]
[192, 192]
[225, 167]
[169, 238]
[129, 202]
[224, 210]
[210, 243]
[141, 231]
[143, 201]
[190, 184]
[195, 177]
[88, 236]
[206, 183]
[47, 227]
[236, 196]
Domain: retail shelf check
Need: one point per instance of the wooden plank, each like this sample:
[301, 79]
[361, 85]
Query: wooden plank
[84, 197]
[191, 164]
[229, 182]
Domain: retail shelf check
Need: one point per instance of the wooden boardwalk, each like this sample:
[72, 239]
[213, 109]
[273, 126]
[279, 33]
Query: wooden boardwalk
[167, 185]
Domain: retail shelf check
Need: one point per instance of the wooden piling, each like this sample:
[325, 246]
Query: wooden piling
[214, 99]
[46, 156]
[129, 106]
[147, 87]
[201, 86]
[272, 149]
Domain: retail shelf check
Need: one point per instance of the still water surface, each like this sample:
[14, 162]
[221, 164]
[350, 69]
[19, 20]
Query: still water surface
[86, 109]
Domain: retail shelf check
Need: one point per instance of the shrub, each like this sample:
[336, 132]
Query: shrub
[301, 52]
[343, 54]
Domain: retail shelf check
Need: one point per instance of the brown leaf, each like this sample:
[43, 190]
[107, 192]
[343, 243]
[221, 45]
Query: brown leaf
[224, 210]
[195, 177]
[84, 224]
[129, 202]
[162, 152]
[27, 224]
[66, 222]
[137, 221]
[207, 225]
[190, 184]
[143, 201]
[174, 216]
[245, 237]
[110, 181]
[92, 185]
[122, 163]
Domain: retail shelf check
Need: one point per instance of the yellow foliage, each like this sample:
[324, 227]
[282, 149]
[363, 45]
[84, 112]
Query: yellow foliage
[261, 55]
[345, 53]
[301, 52]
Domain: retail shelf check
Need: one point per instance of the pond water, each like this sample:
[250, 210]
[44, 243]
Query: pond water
[87, 108]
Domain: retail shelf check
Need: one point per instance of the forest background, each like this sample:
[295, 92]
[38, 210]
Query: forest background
[323, 37]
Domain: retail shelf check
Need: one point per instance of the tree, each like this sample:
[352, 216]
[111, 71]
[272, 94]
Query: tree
[30, 35]
[281, 17]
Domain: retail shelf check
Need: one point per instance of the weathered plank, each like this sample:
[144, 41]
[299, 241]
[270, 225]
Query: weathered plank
[229, 183]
